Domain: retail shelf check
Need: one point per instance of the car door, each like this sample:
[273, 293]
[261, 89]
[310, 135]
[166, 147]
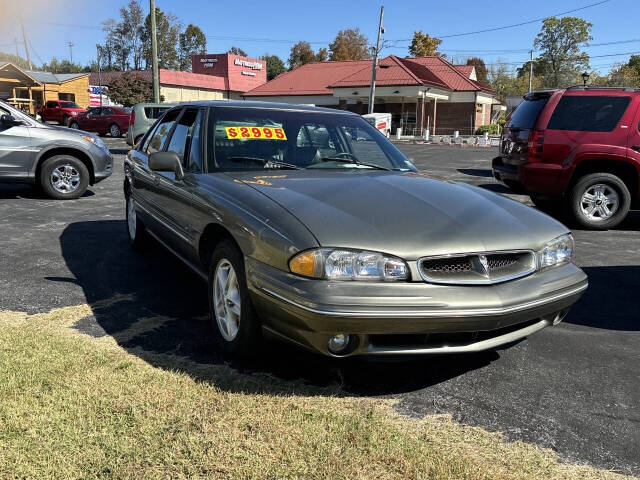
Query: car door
[175, 196]
[146, 181]
[633, 142]
[16, 151]
[91, 121]
[107, 118]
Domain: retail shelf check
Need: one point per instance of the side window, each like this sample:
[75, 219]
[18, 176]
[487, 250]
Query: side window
[588, 113]
[194, 162]
[107, 111]
[51, 104]
[162, 131]
[94, 111]
[183, 132]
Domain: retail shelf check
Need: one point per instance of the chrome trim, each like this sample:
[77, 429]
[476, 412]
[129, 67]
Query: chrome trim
[472, 347]
[479, 281]
[480, 312]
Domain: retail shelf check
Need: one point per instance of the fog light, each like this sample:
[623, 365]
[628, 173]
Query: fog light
[338, 343]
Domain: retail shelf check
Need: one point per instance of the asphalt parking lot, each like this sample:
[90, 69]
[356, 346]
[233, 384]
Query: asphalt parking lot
[574, 387]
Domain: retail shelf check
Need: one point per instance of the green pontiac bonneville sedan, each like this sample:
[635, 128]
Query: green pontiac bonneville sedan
[310, 226]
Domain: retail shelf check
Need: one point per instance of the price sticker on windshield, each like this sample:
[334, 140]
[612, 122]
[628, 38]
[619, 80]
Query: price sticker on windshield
[262, 133]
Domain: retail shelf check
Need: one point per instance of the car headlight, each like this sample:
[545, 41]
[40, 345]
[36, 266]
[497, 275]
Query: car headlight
[557, 251]
[346, 264]
[95, 140]
[73, 114]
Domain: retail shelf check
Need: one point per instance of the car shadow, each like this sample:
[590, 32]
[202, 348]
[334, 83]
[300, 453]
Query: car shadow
[23, 190]
[476, 172]
[156, 309]
[497, 188]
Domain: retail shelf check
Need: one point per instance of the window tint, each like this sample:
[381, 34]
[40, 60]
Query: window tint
[162, 131]
[107, 111]
[588, 113]
[69, 105]
[194, 163]
[51, 104]
[526, 114]
[94, 111]
[154, 112]
[183, 132]
[364, 145]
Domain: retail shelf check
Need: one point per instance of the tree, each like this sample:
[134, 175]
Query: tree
[192, 42]
[275, 66]
[623, 76]
[168, 31]
[559, 43]
[349, 44]
[130, 29]
[238, 51]
[64, 66]
[301, 53]
[130, 88]
[508, 84]
[17, 61]
[634, 62]
[424, 45]
[322, 55]
[481, 69]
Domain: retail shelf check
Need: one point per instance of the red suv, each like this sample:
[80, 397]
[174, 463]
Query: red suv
[577, 148]
[103, 120]
[60, 111]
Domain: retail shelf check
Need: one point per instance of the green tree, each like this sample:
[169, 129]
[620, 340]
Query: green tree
[322, 55]
[634, 62]
[349, 44]
[560, 56]
[238, 51]
[17, 61]
[130, 88]
[168, 30]
[301, 53]
[507, 83]
[275, 66]
[481, 69]
[192, 42]
[623, 76]
[424, 45]
[64, 66]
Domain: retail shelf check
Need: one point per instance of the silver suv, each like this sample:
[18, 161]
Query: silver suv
[63, 162]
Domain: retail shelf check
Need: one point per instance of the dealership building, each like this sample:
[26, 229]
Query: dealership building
[420, 93]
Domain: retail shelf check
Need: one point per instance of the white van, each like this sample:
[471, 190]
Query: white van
[382, 121]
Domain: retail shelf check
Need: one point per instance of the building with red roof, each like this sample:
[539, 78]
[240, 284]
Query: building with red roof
[420, 93]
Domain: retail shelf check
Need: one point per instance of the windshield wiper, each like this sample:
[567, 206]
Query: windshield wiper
[265, 162]
[354, 162]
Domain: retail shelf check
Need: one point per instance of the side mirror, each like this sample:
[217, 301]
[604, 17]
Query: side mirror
[10, 120]
[166, 162]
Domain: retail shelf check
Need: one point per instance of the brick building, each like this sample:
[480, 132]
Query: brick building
[420, 93]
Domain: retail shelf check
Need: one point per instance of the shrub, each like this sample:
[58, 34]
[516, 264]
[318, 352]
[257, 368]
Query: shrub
[492, 129]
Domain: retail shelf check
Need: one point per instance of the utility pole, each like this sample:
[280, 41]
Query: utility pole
[372, 88]
[70, 44]
[154, 52]
[26, 48]
[15, 40]
[530, 69]
[99, 48]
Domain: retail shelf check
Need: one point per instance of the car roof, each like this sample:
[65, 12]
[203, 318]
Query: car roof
[265, 105]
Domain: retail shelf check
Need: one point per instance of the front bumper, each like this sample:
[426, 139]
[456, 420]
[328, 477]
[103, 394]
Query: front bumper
[102, 163]
[411, 317]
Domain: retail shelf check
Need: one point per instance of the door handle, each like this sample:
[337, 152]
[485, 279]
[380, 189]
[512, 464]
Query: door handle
[635, 147]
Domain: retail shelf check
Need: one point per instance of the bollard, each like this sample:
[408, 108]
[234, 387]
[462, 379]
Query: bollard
[456, 134]
[398, 133]
[426, 134]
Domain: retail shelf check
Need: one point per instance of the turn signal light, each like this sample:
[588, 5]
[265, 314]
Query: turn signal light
[304, 264]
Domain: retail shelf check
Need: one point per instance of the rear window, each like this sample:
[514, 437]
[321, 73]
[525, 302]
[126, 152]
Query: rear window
[154, 112]
[588, 113]
[526, 114]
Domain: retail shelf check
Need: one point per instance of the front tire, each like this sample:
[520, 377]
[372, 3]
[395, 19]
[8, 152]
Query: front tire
[135, 228]
[235, 325]
[74, 125]
[65, 120]
[599, 201]
[114, 130]
[64, 177]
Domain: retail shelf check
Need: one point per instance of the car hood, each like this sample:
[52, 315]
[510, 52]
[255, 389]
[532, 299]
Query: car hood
[406, 214]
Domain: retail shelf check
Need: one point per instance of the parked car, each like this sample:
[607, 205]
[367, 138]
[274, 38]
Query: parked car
[340, 245]
[59, 111]
[103, 120]
[61, 161]
[143, 115]
[578, 149]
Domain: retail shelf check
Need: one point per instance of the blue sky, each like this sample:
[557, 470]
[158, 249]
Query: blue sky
[272, 26]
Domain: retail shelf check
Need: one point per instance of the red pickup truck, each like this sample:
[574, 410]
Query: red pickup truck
[60, 111]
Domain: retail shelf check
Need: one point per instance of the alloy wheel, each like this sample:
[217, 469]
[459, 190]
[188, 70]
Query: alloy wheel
[226, 298]
[114, 130]
[599, 202]
[65, 178]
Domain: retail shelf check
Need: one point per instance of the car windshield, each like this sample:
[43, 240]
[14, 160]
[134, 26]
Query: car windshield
[262, 138]
[69, 105]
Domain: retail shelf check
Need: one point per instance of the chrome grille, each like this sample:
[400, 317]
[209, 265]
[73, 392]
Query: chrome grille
[477, 268]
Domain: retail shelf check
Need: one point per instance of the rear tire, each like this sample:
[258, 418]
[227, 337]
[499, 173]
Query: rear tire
[235, 324]
[599, 201]
[74, 125]
[135, 228]
[64, 177]
[114, 130]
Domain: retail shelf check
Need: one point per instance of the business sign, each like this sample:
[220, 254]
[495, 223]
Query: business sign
[247, 64]
[208, 62]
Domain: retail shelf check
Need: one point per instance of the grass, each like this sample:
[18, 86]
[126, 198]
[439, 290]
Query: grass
[74, 406]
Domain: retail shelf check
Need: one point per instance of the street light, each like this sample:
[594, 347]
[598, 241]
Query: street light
[585, 78]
